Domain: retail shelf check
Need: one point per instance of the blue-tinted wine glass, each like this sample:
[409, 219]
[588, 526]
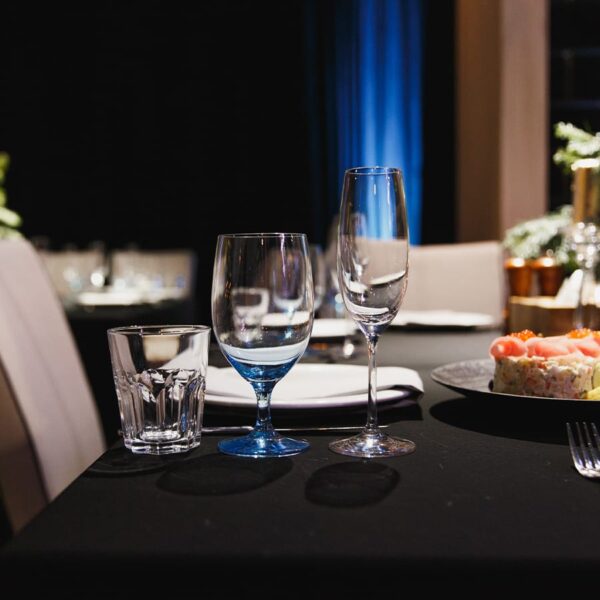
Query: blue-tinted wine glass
[262, 312]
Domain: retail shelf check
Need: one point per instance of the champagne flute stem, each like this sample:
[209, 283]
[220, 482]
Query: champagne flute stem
[579, 321]
[372, 401]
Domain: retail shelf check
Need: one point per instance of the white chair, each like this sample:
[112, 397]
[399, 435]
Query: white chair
[50, 431]
[466, 277]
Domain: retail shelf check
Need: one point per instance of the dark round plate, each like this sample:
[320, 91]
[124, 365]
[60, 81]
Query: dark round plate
[474, 377]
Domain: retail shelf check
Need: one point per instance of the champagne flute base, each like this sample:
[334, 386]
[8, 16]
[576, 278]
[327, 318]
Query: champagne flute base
[372, 444]
[263, 444]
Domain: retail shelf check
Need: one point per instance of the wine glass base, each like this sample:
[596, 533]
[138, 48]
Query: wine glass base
[263, 444]
[372, 444]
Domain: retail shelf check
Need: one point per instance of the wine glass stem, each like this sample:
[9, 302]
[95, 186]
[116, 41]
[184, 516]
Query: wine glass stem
[263, 413]
[372, 402]
[579, 320]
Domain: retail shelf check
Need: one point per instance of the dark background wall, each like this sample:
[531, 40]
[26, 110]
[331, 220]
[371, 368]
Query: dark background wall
[574, 82]
[439, 131]
[156, 123]
[166, 123]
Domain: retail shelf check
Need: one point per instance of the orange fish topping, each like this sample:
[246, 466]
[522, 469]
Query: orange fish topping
[524, 335]
[582, 333]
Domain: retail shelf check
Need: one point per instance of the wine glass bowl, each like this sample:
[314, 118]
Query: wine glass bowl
[288, 289]
[262, 310]
[319, 274]
[372, 266]
[249, 305]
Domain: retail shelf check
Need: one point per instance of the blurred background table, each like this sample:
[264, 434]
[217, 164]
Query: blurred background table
[100, 289]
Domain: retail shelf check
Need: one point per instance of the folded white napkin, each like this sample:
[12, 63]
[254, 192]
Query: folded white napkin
[325, 328]
[568, 294]
[314, 381]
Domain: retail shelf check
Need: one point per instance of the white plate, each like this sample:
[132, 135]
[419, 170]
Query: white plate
[112, 298]
[443, 318]
[331, 328]
[128, 297]
[299, 317]
[309, 386]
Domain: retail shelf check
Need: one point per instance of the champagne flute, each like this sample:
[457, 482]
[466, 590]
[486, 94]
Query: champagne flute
[372, 264]
[262, 312]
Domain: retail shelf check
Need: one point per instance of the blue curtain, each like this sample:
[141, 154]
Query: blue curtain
[373, 93]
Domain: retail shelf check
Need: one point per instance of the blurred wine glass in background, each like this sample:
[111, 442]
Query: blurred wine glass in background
[584, 240]
[319, 272]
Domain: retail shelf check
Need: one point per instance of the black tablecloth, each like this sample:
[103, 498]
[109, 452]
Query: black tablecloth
[490, 495]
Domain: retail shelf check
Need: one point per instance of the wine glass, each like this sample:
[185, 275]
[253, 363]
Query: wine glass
[372, 264]
[583, 238]
[319, 273]
[262, 312]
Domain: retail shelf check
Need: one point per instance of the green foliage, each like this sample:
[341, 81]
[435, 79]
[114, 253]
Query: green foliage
[544, 235]
[4, 164]
[580, 144]
[547, 234]
[9, 219]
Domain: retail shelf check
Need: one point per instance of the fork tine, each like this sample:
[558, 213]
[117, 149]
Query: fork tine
[596, 436]
[585, 455]
[591, 449]
[593, 445]
[573, 446]
[585, 449]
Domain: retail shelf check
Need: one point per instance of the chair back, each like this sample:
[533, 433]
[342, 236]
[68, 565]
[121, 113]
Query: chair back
[466, 277]
[49, 418]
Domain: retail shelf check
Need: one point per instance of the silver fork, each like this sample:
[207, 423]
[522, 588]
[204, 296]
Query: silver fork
[585, 449]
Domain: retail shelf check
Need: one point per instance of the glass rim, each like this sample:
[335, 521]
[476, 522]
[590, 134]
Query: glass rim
[261, 235]
[375, 170]
[158, 329]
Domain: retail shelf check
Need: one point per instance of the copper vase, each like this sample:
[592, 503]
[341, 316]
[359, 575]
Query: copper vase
[549, 275]
[520, 276]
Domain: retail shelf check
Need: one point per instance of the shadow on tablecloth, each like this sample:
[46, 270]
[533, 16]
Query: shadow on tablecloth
[516, 418]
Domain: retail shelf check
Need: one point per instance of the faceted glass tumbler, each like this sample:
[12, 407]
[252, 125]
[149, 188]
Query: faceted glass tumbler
[159, 373]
